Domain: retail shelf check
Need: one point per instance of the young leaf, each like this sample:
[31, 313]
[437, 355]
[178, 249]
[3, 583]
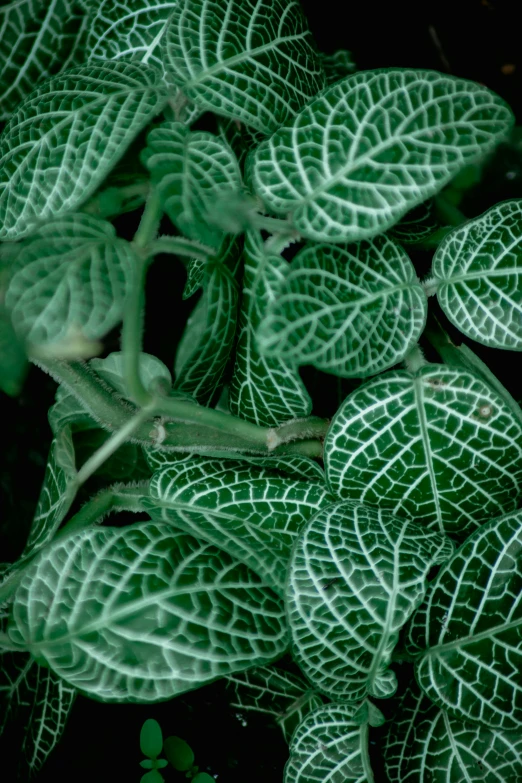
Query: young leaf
[348, 310]
[331, 744]
[469, 630]
[274, 692]
[338, 65]
[152, 372]
[151, 738]
[252, 513]
[179, 753]
[264, 390]
[71, 276]
[66, 136]
[13, 358]
[373, 146]
[195, 277]
[477, 270]
[355, 577]
[252, 60]
[143, 613]
[438, 445]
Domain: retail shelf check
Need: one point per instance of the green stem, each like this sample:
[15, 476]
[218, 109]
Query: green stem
[273, 225]
[298, 429]
[179, 246]
[448, 213]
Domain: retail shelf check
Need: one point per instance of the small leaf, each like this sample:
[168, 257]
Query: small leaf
[152, 371]
[203, 777]
[152, 777]
[373, 146]
[179, 753]
[151, 738]
[478, 273]
[349, 310]
[195, 277]
[338, 65]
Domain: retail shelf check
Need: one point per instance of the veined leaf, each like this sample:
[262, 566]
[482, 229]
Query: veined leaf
[67, 410]
[191, 170]
[416, 225]
[331, 745]
[469, 630]
[355, 577]
[72, 276]
[142, 613]
[253, 513]
[66, 136]
[252, 60]
[338, 65]
[36, 37]
[152, 372]
[195, 277]
[274, 692]
[438, 445]
[426, 743]
[264, 390]
[349, 310]
[373, 146]
[477, 270]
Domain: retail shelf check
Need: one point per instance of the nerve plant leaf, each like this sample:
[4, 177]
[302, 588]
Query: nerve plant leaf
[143, 613]
[252, 60]
[355, 577]
[264, 390]
[274, 692]
[416, 225]
[332, 744]
[439, 446]
[152, 372]
[66, 136]
[477, 272]
[253, 513]
[423, 738]
[371, 147]
[468, 633]
[350, 310]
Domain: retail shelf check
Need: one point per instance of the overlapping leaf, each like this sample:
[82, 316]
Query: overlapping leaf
[373, 146]
[252, 60]
[71, 277]
[143, 613]
[469, 630]
[67, 135]
[253, 513]
[477, 272]
[355, 577]
[274, 692]
[332, 745]
[337, 65]
[416, 225]
[438, 445]
[349, 310]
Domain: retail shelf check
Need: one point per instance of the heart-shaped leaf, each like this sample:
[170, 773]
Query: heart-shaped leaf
[355, 576]
[349, 310]
[373, 146]
[438, 445]
[142, 613]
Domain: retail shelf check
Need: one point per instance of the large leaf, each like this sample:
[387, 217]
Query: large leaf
[332, 745]
[438, 445]
[67, 135]
[355, 577]
[142, 613]
[71, 277]
[425, 743]
[252, 60]
[372, 146]
[477, 272]
[274, 692]
[349, 310]
[253, 513]
[264, 390]
[469, 630]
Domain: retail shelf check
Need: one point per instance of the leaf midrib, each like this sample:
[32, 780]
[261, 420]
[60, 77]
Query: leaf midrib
[489, 632]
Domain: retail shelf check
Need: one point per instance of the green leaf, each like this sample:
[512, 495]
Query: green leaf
[67, 135]
[469, 630]
[151, 738]
[36, 37]
[143, 613]
[152, 372]
[338, 65]
[13, 358]
[67, 410]
[355, 577]
[477, 270]
[179, 753]
[331, 744]
[267, 391]
[152, 777]
[125, 464]
[287, 698]
[251, 512]
[349, 310]
[438, 445]
[71, 277]
[203, 777]
[254, 61]
[423, 738]
[373, 146]
[195, 277]
[191, 171]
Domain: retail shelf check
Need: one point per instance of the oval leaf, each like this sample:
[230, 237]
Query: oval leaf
[152, 371]
[179, 753]
[372, 147]
[151, 738]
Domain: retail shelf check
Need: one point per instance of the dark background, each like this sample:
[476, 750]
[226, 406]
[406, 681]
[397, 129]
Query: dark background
[475, 39]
